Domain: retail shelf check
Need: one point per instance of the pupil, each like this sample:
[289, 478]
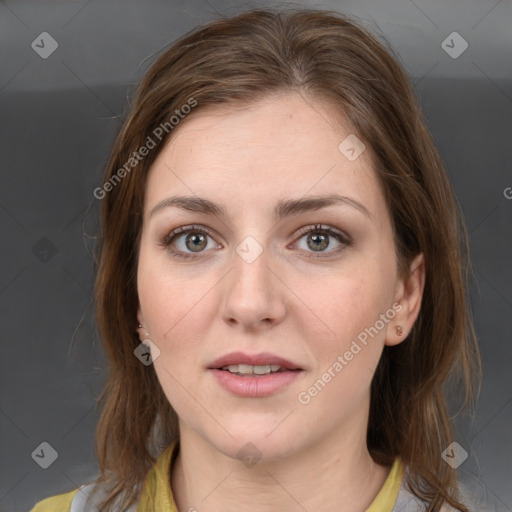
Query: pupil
[319, 238]
[198, 241]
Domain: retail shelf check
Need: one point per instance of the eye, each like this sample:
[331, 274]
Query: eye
[318, 238]
[184, 241]
[188, 238]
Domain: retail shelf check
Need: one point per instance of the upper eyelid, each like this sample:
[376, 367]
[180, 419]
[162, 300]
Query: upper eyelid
[322, 227]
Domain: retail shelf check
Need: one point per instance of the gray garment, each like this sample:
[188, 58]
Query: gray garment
[83, 503]
[472, 497]
[409, 502]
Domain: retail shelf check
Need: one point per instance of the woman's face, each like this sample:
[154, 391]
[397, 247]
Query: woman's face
[260, 290]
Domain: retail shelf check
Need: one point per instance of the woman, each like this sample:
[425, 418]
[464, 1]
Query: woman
[282, 281]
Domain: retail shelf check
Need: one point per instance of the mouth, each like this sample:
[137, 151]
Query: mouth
[254, 375]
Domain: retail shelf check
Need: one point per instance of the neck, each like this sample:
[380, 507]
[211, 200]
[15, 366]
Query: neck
[336, 469]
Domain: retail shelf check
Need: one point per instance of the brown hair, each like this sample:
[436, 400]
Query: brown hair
[324, 56]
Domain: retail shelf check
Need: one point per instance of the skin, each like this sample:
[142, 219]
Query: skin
[307, 310]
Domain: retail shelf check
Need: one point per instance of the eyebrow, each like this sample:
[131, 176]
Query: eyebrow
[284, 208]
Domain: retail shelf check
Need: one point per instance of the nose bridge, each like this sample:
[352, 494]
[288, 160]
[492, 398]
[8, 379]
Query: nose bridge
[251, 296]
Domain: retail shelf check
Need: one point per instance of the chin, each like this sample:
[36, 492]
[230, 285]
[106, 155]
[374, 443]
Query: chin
[252, 441]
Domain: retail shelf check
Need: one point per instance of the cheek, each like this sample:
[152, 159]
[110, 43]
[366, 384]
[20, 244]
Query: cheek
[345, 333]
[174, 315]
[339, 307]
[347, 350]
[169, 298]
[178, 311]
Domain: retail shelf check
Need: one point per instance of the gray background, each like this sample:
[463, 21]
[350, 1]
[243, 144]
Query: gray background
[59, 117]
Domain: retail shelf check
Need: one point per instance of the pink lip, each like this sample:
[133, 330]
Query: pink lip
[254, 387]
[257, 386]
[254, 360]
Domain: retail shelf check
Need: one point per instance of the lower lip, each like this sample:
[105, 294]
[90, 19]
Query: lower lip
[254, 387]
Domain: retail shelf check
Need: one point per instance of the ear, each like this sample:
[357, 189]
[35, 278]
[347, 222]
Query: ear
[409, 294]
[140, 318]
[140, 321]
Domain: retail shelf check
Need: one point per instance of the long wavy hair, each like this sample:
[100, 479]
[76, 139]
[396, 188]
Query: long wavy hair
[325, 56]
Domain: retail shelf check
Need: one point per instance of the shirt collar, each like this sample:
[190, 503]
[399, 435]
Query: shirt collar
[157, 493]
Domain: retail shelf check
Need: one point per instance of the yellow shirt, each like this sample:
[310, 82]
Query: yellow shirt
[157, 495]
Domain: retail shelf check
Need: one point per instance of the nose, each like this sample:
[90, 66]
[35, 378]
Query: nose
[253, 296]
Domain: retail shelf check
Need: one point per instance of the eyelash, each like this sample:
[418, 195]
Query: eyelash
[340, 237]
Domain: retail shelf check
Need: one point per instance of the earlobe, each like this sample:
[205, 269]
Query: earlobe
[409, 295]
[140, 318]
[140, 326]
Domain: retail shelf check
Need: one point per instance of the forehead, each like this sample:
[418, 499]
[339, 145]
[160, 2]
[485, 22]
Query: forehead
[283, 146]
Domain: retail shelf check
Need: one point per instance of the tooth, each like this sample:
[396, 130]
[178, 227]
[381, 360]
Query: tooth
[260, 370]
[248, 369]
[245, 368]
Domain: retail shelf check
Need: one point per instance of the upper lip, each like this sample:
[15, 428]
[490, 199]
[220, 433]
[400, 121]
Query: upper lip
[261, 359]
